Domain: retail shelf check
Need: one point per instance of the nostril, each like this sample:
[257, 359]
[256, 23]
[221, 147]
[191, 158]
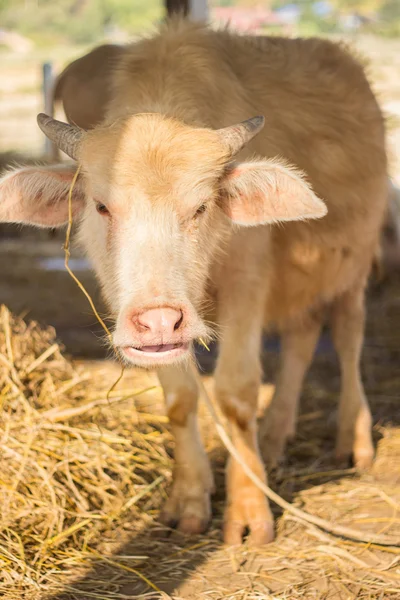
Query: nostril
[141, 323]
[179, 322]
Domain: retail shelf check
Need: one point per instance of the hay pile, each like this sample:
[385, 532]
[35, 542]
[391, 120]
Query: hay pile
[73, 462]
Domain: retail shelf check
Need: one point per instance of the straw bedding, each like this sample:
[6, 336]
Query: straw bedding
[72, 461]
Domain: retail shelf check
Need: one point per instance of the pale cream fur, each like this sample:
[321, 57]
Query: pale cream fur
[156, 159]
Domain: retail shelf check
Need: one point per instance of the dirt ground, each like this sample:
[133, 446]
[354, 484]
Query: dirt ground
[140, 559]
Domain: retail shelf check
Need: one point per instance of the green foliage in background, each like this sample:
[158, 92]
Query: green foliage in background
[80, 21]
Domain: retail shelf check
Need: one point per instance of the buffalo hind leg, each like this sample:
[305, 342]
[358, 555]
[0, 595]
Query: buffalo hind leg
[354, 420]
[188, 506]
[278, 425]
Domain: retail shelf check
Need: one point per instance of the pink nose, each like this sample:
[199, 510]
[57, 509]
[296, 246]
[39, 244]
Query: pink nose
[159, 322]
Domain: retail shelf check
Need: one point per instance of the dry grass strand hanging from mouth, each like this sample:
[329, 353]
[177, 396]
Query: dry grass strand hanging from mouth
[67, 251]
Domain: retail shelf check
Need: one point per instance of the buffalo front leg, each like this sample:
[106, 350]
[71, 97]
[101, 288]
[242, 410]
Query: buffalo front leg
[238, 376]
[188, 506]
[279, 423]
[354, 422]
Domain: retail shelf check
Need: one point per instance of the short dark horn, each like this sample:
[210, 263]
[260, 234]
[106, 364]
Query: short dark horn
[66, 137]
[236, 137]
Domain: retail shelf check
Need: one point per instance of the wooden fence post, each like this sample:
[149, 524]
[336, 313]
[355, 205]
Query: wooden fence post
[197, 10]
[50, 150]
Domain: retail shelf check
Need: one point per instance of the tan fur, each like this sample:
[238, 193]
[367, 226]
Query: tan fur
[156, 160]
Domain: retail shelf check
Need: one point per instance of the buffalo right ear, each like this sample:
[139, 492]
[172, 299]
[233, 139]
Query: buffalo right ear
[39, 195]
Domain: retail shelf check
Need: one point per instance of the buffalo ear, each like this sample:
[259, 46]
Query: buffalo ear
[260, 192]
[39, 195]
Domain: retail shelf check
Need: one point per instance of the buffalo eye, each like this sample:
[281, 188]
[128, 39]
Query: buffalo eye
[200, 210]
[102, 209]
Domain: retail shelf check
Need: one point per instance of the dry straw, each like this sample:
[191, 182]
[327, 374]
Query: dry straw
[70, 472]
[77, 281]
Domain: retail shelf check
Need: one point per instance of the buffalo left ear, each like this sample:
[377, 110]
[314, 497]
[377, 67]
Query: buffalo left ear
[260, 192]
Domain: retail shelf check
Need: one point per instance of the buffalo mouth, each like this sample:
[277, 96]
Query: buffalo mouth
[160, 348]
[156, 352]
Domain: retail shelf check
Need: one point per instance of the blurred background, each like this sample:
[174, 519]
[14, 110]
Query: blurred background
[33, 32]
[38, 38]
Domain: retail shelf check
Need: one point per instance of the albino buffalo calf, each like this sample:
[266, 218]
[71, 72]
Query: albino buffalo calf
[190, 217]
